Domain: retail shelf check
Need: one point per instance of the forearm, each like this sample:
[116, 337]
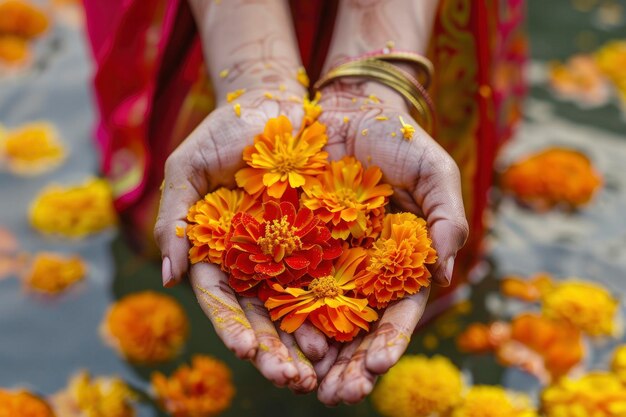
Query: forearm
[248, 44]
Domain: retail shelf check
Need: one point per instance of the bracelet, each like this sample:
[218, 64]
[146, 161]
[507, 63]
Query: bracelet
[391, 76]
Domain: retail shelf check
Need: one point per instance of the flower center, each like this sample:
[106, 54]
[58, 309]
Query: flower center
[279, 233]
[285, 163]
[347, 197]
[325, 287]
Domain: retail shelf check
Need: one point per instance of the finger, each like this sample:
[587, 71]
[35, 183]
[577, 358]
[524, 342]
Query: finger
[327, 392]
[313, 343]
[219, 303]
[357, 381]
[272, 358]
[307, 379]
[323, 366]
[394, 330]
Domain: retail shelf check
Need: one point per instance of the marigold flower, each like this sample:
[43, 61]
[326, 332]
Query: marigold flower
[552, 177]
[597, 394]
[580, 79]
[585, 305]
[146, 327]
[95, 397]
[492, 401]
[618, 363]
[209, 222]
[349, 199]
[22, 19]
[32, 148]
[475, 339]
[74, 211]
[13, 49]
[327, 302]
[398, 259]
[278, 160]
[611, 59]
[203, 389]
[418, 386]
[526, 289]
[287, 245]
[51, 273]
[23, 404]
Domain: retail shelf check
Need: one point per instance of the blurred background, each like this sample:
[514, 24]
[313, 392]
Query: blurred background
[56, 292]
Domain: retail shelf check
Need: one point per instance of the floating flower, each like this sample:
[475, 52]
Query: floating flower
[597, 394]
[146, 327]
[74, 211]
[585, 305]
[618, 363]
[32, 148]
[418, 386]
[95, 397]
[349, 199]
[552, 177]
[21, 18]
[209, 222]
[287, 245]
[398, 259]
[526, 289]
[327, 302]
[51, 273]
[581, 80]
[278, 159]
[203, 389]
[23, 404]
[490, 401]
[13, 49]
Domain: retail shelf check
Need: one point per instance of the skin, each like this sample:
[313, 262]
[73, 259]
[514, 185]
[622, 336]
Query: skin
[425, 179]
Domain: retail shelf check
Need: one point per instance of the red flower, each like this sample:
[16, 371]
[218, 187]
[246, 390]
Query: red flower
[287, 246]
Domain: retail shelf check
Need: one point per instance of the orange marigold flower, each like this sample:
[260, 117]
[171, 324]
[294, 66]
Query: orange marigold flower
[579, 79]
[349, 199]
[13, 49]
[327, 302]
[285, 247]
[95, 397]
[597, 394]
[555, 176]
[526, 289]
[32, 148]
[475, 339]
[278, 159]
[209, 222]
[21, 18]
[74, 211]
[398, 259]
[203, 389]
[23, 404]
[146, 327]
[51, 273]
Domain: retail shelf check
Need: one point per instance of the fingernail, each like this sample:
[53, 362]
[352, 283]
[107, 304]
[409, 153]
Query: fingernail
[166, 272]
[449, 269]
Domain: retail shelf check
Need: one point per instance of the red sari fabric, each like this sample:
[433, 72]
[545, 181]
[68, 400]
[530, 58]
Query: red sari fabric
[151, 91]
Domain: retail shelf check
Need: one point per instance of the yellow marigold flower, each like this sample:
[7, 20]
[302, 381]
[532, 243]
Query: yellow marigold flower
[398, 259]
[552, 177]
[526, 289]
[22, 19]
[327, 302]
[611, 60]
[13, 49]
[23, 404]
[277, 159]
[51, 273]
[203, 389]
[618, 363]
[302, 77]
[418, 386]
[349, 199]
[597, 394]
[146, 327]
[312, 108]
[95, 397]
[587, 306]
[32, 148]
[74, 211]
[209, 221]
[490, 401]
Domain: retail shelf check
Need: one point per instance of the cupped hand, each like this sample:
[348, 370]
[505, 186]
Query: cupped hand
[372, 123]
[205, 161]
